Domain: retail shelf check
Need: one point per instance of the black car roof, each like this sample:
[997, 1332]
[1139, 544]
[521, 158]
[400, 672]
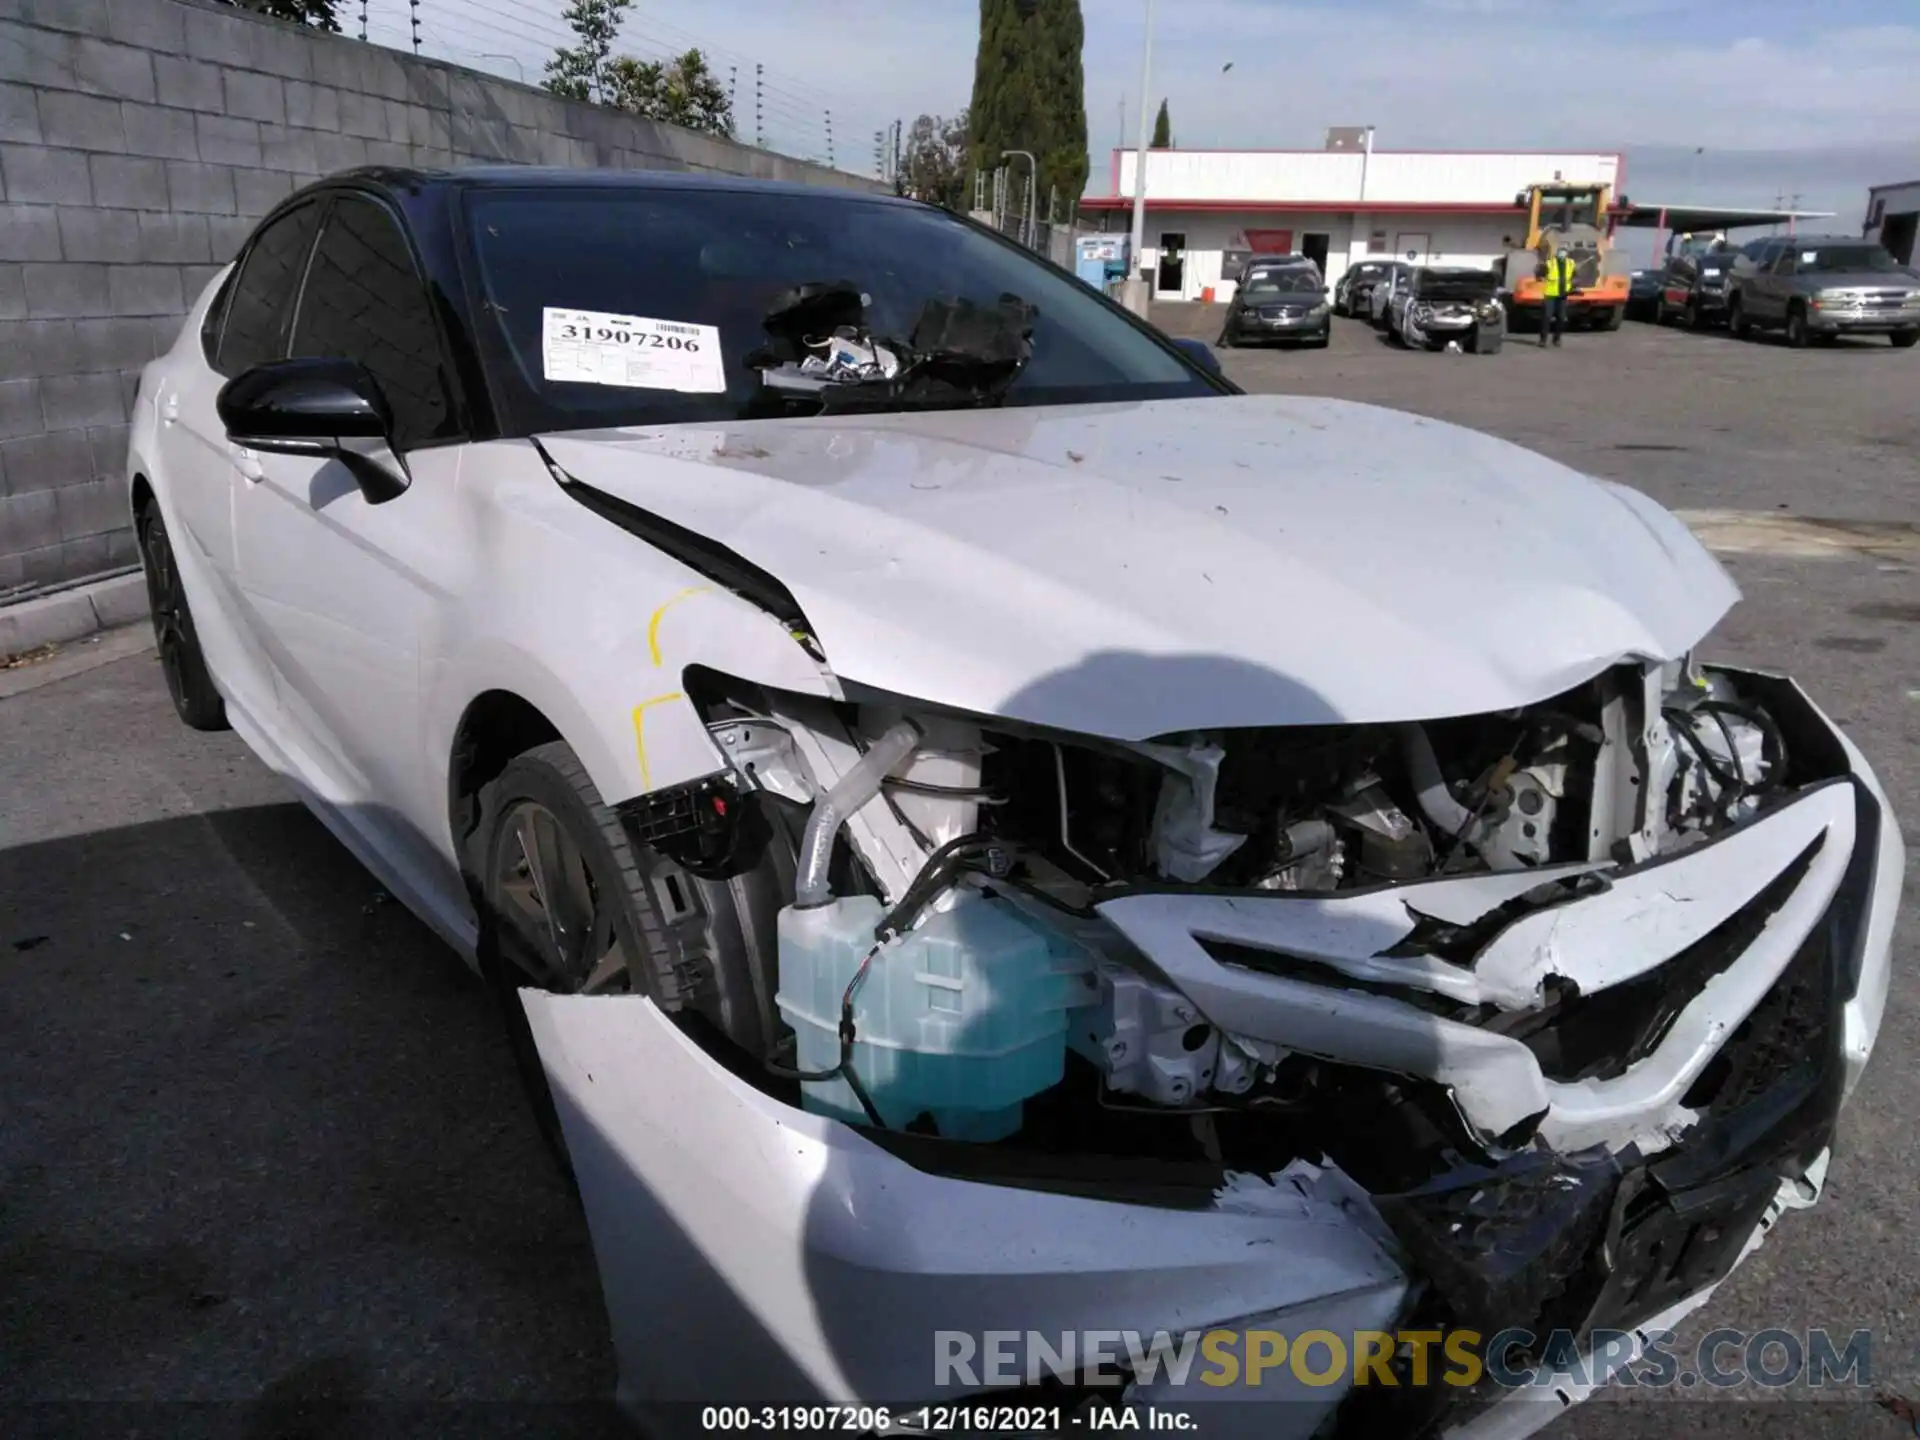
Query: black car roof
[539, 177]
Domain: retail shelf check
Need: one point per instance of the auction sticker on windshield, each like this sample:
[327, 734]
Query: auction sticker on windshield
[591, 347]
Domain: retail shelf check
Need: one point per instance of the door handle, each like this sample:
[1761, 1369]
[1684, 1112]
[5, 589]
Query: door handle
[248, 464]
[170, 409]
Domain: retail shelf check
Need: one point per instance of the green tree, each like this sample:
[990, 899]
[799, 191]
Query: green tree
[680, 92]
[1162, 129]
[579, 72]
[1029, 92]
[934, 168]
[317, 13]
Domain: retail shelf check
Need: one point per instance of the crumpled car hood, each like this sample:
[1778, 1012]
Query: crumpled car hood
[1133, 570]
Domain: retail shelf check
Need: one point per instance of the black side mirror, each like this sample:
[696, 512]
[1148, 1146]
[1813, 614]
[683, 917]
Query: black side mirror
[1200, 353]
[309, 407]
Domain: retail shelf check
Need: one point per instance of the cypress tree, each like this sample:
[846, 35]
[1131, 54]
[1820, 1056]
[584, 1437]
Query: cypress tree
[1162, 130]
[1029, 92]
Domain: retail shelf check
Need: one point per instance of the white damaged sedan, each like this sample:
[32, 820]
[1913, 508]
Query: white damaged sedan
[979, 826]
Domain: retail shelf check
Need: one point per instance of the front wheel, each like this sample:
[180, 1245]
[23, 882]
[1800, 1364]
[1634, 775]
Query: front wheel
[1903, 339]
[1797, 332]
[570, 905]
[1737, 322]
[189, 681]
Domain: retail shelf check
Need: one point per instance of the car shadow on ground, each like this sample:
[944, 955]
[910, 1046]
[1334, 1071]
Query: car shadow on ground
[265, 1149]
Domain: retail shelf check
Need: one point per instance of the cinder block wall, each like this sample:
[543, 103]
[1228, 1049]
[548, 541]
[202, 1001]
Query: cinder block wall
[139, 142]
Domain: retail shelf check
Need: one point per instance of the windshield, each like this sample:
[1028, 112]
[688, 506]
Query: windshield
[1562, 208]
[639, 306]
[1271, 284]
[1844, 259]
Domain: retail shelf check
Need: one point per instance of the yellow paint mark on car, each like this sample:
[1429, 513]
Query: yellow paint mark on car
[653, 625]
[640, 731]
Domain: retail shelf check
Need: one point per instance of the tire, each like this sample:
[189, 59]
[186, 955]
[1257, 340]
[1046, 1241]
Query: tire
[1903, 339]
[1797, 332]
[1696, 317]
[195, 697]
[1738, 325]
[1611, 318]
[646, 925]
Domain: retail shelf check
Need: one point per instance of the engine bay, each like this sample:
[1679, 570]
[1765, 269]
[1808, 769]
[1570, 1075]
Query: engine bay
[945, 972]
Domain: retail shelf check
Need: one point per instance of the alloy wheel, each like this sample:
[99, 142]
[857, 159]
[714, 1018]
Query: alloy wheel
[563, 931]
[165, 601]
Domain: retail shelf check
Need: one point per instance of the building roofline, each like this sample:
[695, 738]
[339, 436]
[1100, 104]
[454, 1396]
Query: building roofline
[1897, 185]
[1307, 150]
[1370, 207]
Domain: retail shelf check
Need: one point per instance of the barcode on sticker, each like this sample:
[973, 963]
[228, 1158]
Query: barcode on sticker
[669, 328]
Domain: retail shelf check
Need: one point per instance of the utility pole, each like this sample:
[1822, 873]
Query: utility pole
[1793, 204]
[415, 7]
[830, 140]
[759, 107]
[1134, 293]
[363, 19]
[1026, 220]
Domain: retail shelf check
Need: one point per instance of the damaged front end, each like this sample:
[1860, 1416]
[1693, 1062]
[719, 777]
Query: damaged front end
[1534, 1019]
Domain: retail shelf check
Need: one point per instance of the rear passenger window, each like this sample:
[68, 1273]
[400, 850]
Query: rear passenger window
[365, 300]
[259, 298]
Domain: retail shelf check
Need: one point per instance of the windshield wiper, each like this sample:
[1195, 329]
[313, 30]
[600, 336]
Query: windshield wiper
[960, 355]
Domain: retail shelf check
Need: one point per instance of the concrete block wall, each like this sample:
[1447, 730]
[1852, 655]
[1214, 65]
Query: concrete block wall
[140, 140]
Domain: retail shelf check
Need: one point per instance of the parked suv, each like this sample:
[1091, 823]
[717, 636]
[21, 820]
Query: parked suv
[1694, 283]
[1815, 287]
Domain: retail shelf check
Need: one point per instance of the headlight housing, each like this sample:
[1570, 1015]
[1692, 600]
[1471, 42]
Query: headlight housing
[1317, 311]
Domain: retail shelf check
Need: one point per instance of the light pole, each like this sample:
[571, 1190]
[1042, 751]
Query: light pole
[1026, 223]
[1138, 298]
[513, 60]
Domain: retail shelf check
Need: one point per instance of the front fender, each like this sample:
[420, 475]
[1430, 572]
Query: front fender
[596, 629]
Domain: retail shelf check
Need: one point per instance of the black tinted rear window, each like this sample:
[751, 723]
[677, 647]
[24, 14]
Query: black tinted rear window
[260, 296]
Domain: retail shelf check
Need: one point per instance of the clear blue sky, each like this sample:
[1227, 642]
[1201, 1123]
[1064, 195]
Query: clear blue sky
[1778, 96]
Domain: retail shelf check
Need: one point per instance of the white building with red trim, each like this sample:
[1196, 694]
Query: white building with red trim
[1339, 205]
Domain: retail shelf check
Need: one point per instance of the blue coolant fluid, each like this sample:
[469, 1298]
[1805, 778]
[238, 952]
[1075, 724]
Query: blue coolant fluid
[962, 1019]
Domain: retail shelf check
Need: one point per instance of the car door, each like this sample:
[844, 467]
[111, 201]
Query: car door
[246, 325]
[1772, 284]
[351, 592]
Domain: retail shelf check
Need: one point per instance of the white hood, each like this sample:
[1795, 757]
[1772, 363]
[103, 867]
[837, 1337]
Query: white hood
[1135, 570]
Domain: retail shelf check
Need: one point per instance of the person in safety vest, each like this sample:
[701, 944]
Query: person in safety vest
[1556, 281]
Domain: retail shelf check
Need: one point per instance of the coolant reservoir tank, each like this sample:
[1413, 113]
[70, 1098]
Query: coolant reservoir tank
[961, 1020]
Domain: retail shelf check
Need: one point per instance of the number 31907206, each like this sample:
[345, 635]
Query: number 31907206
[644, 339]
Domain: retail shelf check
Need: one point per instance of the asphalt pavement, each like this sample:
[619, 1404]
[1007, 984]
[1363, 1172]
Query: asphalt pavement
[261, 1147]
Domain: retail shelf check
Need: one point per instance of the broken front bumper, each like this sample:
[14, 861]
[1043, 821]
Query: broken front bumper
[754, 1253]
